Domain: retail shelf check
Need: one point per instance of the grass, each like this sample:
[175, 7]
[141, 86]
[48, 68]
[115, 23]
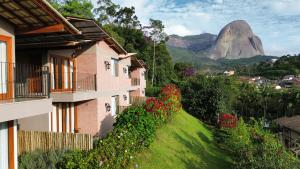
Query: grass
[184, 143]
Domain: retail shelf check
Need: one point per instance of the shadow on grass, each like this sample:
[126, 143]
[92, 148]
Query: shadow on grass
[209, 156]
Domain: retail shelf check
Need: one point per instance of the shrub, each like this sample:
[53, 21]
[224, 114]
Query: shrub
[168, 103]
[152, 91]
[256, 148]
[227, 121]
[39, 159]
[204, 97]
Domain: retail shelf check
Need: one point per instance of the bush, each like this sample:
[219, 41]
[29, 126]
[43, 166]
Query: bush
[152, 91]
[133, 131]
[39, 159]
[168, 103]
[256, 148]
[205, 97]
[227, 121]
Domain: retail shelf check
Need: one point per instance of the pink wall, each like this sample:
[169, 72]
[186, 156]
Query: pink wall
[139, 73]
[87, 117]
[86, 60]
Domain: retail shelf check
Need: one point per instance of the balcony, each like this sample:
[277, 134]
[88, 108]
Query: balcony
[135, 81]
[22, 87]
[73, 87]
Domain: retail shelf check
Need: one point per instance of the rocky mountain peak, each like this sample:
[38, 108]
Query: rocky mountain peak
[236, 40]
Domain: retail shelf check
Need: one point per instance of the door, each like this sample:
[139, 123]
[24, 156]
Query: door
[62, 74]
[3, 145]
[113, 106]
[5, 67]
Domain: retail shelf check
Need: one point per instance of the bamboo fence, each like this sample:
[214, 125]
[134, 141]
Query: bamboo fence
[29, 141]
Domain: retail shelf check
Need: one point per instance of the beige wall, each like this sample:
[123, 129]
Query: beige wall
[8, 30]
[35, 123]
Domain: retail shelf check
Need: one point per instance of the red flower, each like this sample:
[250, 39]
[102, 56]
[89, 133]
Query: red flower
[227, 121]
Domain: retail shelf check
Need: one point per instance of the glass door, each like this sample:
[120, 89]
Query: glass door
[3, 70]
[4, 145]
[62, 74]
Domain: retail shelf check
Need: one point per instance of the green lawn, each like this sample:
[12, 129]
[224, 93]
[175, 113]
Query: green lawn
[185, 143]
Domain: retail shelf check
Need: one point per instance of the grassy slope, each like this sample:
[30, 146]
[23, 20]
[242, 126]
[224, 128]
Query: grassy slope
[185, 143]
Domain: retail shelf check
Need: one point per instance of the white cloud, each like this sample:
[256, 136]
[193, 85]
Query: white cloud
[286, 7]
[178, 30]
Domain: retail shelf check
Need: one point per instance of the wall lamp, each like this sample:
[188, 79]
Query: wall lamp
[107, 107]
[125, 97]
[107, 65]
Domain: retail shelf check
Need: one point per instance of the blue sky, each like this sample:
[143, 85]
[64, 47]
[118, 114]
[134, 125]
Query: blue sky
[276, 22]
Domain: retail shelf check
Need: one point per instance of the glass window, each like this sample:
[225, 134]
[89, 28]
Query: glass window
[115, 67]
[3, 145]
[3, 68]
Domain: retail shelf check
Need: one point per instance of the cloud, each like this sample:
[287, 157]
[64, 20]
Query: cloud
[178, 30]
[286, 7]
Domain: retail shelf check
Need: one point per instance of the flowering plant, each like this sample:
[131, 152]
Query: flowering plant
[168, 103]
[227, 121]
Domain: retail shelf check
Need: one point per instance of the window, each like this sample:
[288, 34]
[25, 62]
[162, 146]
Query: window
[114, 105]
[62, 74]
[5, 67]
[115, 67]
[3, 145]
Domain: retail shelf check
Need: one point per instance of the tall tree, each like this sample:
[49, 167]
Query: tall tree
[82, 8]
[106, 11]
[157, 35]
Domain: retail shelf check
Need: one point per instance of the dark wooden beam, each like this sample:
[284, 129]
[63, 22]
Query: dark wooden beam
[48, 29]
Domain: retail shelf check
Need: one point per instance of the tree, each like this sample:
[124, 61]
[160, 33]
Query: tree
[75, 8]
[107, 11]
[157, 34]
[126, 17]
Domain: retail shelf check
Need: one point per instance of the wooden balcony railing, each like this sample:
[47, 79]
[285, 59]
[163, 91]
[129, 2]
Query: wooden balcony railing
[135, 81]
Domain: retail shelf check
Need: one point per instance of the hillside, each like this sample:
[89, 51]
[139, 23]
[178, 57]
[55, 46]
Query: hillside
[185, 143]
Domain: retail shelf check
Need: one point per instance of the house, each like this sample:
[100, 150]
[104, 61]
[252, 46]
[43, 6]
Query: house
[288, 78]
[260, 81]
[59, 74]
[90, 81]
[290, 132]
[24, 88]
[229, 72]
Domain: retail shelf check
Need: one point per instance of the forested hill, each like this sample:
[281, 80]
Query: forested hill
[285, 65]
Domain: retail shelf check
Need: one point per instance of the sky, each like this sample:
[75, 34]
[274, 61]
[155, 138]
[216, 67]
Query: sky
[276, 22]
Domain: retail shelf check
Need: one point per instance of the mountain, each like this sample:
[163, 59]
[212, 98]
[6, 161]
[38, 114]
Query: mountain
[237, 40]
[195, 43]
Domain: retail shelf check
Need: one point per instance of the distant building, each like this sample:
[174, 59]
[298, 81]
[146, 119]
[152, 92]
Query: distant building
[229, 72]
[288, 77]
[259, 80]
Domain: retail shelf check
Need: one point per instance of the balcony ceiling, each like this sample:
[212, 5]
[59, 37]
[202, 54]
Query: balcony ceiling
[31, 15]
